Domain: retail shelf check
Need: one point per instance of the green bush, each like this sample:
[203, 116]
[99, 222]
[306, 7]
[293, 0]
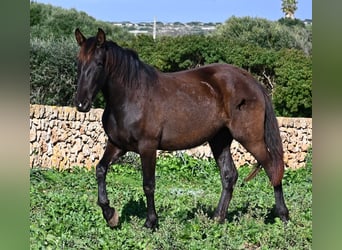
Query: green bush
[293, 92]
[267, 34]
[53, 71]
[47, 21]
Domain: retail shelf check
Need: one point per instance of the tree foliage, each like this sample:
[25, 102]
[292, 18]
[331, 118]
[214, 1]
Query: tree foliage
[293, 94]
[53, 71]
[267, 34]
[49, 21]
[278, 54]
[289, 7]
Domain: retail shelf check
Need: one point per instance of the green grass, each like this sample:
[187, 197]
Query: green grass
[64, 212]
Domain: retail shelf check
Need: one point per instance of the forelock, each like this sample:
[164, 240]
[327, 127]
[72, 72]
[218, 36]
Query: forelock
[87, 50]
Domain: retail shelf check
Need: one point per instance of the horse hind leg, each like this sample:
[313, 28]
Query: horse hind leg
[254, 125]
[220, 146]
[274, 170]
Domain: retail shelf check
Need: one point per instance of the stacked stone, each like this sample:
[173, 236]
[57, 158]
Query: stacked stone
[296, 134]
[61, 137]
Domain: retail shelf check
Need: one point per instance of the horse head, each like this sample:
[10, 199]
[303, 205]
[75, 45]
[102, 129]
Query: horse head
[90, 68]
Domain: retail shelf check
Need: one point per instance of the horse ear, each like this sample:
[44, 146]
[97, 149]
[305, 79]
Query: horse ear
[100, 37]
[79, 37]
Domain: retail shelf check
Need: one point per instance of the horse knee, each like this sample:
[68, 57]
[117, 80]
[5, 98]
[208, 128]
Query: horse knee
[101, 172]
[149, 188]
[229, 178]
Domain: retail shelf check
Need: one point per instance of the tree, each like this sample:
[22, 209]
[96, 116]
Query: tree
[289, 7]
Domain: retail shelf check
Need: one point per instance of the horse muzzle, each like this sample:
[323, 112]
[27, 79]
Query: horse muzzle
[83, 106]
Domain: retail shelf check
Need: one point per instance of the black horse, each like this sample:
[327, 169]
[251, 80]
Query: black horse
[147, 110]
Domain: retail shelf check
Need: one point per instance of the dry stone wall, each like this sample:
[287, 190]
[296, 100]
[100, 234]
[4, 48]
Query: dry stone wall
[61, 137]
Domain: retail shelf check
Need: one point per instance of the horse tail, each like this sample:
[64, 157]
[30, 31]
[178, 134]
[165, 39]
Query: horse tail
[273, 143]
[272, 133]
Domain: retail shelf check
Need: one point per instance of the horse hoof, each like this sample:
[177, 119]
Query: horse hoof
[284, 218]
[114, 221]
[219, 220]
[283, 214]
[151, 225]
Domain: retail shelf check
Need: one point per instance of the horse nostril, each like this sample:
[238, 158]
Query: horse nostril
[83, 106]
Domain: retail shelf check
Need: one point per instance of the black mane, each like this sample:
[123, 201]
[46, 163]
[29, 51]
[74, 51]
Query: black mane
[125, 67]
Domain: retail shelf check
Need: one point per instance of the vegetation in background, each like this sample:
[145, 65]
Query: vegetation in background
[64, 212]
[47, 21]
[289, 7]
[277, 53]
[293, 93]
[53, 71]
[263, 33]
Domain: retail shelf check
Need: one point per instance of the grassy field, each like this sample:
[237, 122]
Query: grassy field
[64, 213]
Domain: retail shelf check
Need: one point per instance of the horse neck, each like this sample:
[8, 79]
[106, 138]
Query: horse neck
[126, 78]
[117, 95]
[114, 93]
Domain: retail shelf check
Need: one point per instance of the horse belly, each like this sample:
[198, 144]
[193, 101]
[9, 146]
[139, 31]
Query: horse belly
[187, 130]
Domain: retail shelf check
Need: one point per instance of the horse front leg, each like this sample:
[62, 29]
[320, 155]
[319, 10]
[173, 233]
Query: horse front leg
[111, 154]
[148, 161]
